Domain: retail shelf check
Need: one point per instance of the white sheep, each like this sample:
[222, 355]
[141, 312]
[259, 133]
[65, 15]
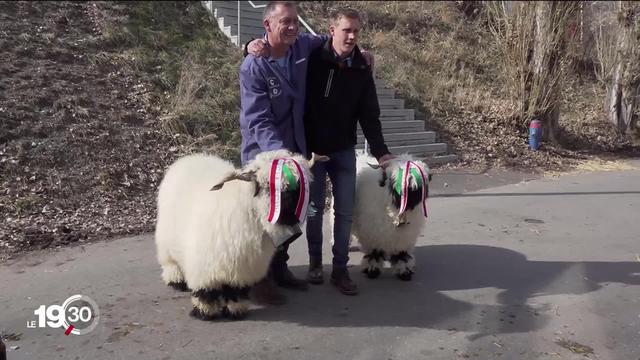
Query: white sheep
[384, 233]
[219, 243]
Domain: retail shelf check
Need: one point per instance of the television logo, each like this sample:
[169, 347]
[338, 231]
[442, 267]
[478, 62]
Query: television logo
[78, 315]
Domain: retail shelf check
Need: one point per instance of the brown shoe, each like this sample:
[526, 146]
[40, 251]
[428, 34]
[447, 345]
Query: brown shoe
[264, 292]
[285, 279]
[340, 279]
[315, 275]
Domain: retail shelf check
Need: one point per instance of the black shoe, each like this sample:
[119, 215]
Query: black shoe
[340, 279]
[285, 279]
[315, 275]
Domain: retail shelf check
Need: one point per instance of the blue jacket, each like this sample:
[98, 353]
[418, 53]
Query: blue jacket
[271, 106]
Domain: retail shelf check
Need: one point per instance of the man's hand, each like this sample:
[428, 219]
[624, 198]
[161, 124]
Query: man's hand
[258, 48]
[368, 57]
[385, 159]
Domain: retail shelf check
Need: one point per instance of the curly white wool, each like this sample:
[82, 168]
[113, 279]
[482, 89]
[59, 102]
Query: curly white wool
[375, 217]
[210, 239]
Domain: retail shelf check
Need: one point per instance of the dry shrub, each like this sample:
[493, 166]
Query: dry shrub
[448, 66]
[603, 27]
[193, 66]
[532, 40]
[184, 100]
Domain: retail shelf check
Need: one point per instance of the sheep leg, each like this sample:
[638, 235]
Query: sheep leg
[403, 265]
[207, 303]
[372, 263]
[172, 275]
[236, 300]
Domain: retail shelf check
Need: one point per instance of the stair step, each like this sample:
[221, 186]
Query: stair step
[397, 118]
[396, 139]
[398, 113]
[387, 103]
[233, 14]
[399, 126]
[245, 7]
[441, 159]
[245, 24]
[386, 92]
[399, 143]
[420, 150]
[243, 27]
[232, 20]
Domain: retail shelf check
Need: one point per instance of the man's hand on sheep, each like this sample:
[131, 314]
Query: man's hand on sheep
[385, 159]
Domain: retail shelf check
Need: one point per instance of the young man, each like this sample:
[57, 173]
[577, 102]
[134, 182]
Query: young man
[272, 91]
[340, 93]
[271, 113]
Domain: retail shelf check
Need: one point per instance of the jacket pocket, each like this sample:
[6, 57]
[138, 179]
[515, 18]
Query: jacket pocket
[328, 89]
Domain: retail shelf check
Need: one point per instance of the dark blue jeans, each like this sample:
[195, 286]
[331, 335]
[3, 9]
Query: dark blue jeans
[342, 171]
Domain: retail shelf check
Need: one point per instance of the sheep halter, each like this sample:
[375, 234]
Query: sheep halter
[405, 185]
[275, 184]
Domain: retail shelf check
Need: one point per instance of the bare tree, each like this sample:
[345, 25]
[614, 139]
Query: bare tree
[532, 37]
[619, 66]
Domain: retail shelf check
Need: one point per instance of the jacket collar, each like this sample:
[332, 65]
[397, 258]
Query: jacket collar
[357, 60]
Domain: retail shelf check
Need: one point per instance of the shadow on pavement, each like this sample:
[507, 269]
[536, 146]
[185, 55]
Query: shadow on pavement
[510, 307]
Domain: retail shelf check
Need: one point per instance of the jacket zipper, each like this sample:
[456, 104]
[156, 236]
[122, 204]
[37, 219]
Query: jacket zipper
[326, 92]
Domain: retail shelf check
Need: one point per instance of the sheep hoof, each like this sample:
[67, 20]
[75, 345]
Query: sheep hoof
[180, 286]
[405, 276]
[198, 314]
[372, 273]
[238, 315]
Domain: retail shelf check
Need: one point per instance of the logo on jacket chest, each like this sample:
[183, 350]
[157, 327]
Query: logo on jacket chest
[274, 87]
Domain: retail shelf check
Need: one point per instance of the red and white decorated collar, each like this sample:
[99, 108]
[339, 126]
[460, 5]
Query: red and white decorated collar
[405, 186]
[275, 186]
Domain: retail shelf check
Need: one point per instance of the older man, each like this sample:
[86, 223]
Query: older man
[272, 100]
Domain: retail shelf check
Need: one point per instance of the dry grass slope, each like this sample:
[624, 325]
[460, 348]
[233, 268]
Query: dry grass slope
[447, 65]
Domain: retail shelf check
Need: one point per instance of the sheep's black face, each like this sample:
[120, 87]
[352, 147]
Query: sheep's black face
[288, 204]
[414, 197]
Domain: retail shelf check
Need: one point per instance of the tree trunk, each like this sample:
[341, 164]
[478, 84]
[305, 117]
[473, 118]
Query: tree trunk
[550, 127]
[548, 54]
[622, 95]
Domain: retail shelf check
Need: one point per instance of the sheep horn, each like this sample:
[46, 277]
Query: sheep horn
[317, 157]
[248, 176]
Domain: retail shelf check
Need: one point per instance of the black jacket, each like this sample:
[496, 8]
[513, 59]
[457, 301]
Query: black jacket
[338, 96]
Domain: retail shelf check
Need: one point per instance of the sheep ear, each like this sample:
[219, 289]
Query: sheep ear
[248, 176]
[374, 166]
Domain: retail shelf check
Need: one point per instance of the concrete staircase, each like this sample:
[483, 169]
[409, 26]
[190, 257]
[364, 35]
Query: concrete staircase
[226, 13]
[402, 132]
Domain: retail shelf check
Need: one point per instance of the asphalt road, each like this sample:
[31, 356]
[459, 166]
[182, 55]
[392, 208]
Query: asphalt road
[540, 269]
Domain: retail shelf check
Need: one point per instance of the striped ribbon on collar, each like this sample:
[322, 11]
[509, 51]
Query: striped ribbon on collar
[405, 186]
[275, 186]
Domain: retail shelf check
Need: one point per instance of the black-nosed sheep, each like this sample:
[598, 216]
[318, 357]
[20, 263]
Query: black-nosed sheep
[384, 233]
[218, 241]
